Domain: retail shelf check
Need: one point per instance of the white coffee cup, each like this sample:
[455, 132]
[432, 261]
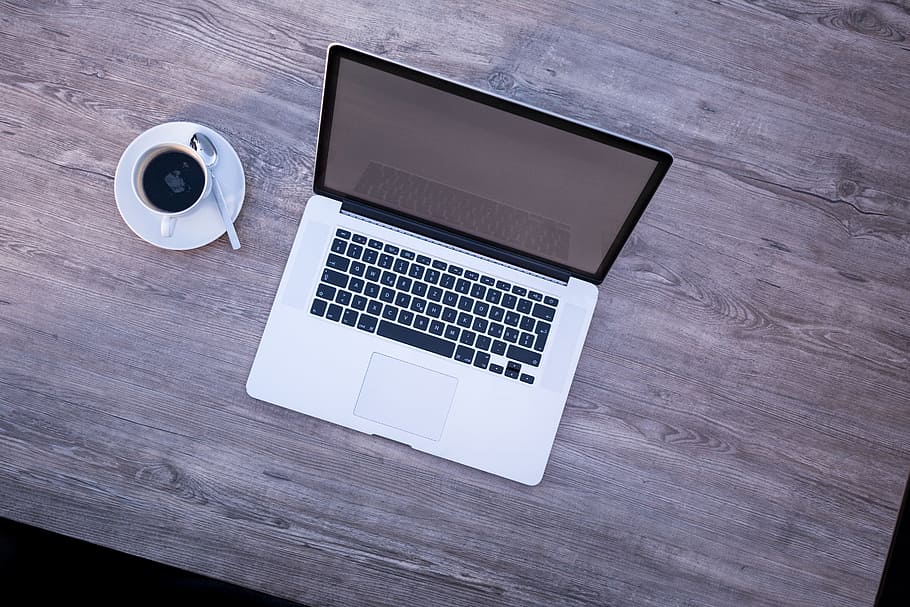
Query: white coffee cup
[170, 180]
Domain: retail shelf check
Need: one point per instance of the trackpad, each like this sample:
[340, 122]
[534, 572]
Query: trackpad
[405, 396]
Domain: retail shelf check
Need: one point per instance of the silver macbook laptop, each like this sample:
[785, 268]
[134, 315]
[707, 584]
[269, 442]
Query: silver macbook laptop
[445, 272]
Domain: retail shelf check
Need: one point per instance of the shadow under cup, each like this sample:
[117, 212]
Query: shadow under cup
[170, 180]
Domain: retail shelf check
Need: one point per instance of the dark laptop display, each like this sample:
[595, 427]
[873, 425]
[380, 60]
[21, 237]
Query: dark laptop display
[480, 166]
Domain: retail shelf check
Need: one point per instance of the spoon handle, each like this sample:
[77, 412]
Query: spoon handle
[225, 217]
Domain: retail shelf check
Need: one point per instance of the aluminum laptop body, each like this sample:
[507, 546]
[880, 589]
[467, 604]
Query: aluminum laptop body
[444, 275]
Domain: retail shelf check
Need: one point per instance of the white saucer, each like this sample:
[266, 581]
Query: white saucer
[203, 224]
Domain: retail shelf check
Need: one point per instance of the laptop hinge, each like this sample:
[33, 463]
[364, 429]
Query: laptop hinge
[415, 226]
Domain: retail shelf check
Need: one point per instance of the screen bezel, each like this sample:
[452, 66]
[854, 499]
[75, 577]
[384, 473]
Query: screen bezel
[664, 159]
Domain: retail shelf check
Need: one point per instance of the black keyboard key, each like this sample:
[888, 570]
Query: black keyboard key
[481, 360]
[372, 273]
[436, 327]
[534, 295]
[343, 297]
[432, 276]
[523, 355]
[449, 314]
[542, 328]
[357, 268]
[421, 322]
[374, 244]
[354, 250]
[487, 280]
[527, 323]
[434, 294]
[339, 246]
[391, 249]
[334, 278]
[478, 291]
[503, 285]
[341, 233]
[467, 338]
[526, 340]
[471, 275]
[388, 279]
[464, 354]
[419, 289]
[524, 306]
[349, 318]
[481, 308]
[497, 369]
[325, 291]
[356, 285]
[387, 295]
[493, 296]
[371, 290]
[390, 312]
[480, 325]
[495, 329]
[318, 307]
[403, 284]
[526, 378]
[447, 281]
[385, 261]
[509, 301]
[450, 299]
[455, 270]
[543, 312]
[512, 319]
[452, 332]
[370, 256]
[359, 238]
[465, 320]
[403, 300]
[483, 342]
[359, 302]
[417, 339]
[520, 291]
[337, 262]
[367, 323]
[439, 265]
[423, 260]
[374, 308]
[496, 313]
[416, 271]
[401, 266]
[462, 286]
[405, 317]
[418, 305]
[333, 312]
[511, 373]
[551, 301]
[434, 309]
[465, 304]
[511, 335]
[407, 254]
[498, 347]
[541, 342]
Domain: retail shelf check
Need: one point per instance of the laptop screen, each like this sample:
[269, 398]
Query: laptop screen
[482, 166]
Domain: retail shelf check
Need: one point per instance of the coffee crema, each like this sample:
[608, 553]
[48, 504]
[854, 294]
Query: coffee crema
[172, 180]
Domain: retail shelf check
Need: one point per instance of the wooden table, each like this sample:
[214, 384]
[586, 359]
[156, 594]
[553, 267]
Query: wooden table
[738, 428]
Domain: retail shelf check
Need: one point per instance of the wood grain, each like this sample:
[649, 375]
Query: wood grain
[737, 432]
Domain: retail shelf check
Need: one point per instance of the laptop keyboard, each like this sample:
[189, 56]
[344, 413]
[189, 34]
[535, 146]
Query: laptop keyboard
[454, 312]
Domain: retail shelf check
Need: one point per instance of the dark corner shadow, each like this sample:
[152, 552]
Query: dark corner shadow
[43, 568]
[893, 589]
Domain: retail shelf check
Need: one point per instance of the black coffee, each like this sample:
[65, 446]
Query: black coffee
[173, 181]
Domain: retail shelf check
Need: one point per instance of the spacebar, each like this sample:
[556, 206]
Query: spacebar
[416, 338]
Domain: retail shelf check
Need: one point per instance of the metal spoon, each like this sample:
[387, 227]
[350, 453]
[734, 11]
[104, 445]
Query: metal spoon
[206, 149]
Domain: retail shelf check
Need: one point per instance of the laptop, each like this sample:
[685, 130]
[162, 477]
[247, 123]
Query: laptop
[444, 274]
